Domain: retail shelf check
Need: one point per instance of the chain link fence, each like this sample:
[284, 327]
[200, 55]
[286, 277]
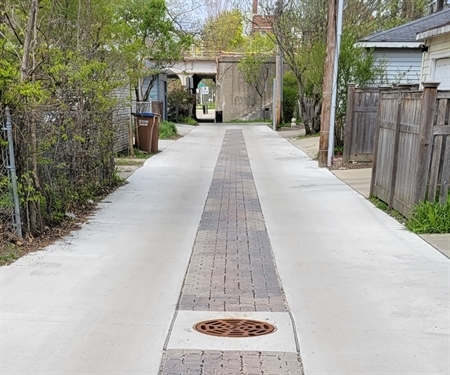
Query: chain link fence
[8, 227]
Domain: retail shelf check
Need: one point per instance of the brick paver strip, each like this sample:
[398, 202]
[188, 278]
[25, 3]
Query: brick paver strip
[211, 362]
[232, 267]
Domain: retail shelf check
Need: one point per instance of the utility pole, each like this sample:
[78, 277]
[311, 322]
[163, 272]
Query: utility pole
[279, 82]
[327, 85]
[278, 68]
[340, 12]
[274, 105]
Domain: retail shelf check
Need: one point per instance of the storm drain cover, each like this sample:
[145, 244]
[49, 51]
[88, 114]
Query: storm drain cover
[234, 327]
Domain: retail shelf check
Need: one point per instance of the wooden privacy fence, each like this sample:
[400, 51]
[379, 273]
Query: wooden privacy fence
[412, 148]
[361, 121]
[360, 124]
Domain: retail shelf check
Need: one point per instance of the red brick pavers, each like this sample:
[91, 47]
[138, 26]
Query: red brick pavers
[231, 269]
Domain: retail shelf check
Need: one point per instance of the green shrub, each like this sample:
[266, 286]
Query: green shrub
[430, 217]
[290, 97]
[188, 120]
[167, 130]
[180, 101]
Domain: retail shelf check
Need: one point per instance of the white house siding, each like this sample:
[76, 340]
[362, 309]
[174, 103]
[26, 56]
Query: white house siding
[401, 65]
[159, 91]
[438, 48]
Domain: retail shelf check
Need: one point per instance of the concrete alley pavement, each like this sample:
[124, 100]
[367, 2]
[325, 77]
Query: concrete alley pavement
[231, 221]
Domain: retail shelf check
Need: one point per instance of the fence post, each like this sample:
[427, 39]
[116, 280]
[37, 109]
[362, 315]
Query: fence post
[395, 155]
[428, 110]
[445, 179]
[12, 171]
[375, 144]
[349, 122]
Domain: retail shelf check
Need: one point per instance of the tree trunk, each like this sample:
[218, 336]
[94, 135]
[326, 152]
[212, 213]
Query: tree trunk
[261, 109]
[439, 5]
[28, 38]
[327, 85]
[306, 119]
[29, 45]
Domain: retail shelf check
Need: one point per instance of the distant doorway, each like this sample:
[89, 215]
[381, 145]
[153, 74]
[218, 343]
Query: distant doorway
[205, 108]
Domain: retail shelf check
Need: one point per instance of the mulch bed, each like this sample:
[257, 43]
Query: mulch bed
[339, 164]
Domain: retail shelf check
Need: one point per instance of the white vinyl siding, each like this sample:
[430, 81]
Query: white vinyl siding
[157, 93]
[402, 65]
[438, 52]
[442, 73]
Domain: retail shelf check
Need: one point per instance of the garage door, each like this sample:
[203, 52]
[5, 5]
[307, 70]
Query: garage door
[442, 73]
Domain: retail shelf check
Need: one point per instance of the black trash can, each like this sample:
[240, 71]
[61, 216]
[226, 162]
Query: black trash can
[219, 116]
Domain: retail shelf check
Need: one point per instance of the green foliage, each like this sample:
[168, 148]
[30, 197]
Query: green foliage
[127, 161]
[83, 54]
[314, 63]
[150, 34]
[6, 201]
[224, 32]
[430, 217]
[290, 96]
[10, 252]
[123, 158]
[255, 65]
[338, 150]
[180, 101]
[167, 130]
[188, 120]
[300, 30]
[378, 203]
[385, 207]
[358, 66]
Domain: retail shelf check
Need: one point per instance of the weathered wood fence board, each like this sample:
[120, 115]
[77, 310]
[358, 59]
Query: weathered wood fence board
[440, 161]
[360, 124]
[412, 148]
[385, 147]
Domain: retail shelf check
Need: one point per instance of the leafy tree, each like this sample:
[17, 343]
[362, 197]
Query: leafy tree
[299, 29]
[255, 65]
[290, 96]
[154, 41]
[224, 32]
[358, 66]
[62, 65]
[180, 101]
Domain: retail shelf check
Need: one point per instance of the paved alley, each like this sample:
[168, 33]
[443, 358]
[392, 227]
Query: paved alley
[230, 222]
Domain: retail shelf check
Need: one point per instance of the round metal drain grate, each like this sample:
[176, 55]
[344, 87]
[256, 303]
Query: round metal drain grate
[234, 327]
